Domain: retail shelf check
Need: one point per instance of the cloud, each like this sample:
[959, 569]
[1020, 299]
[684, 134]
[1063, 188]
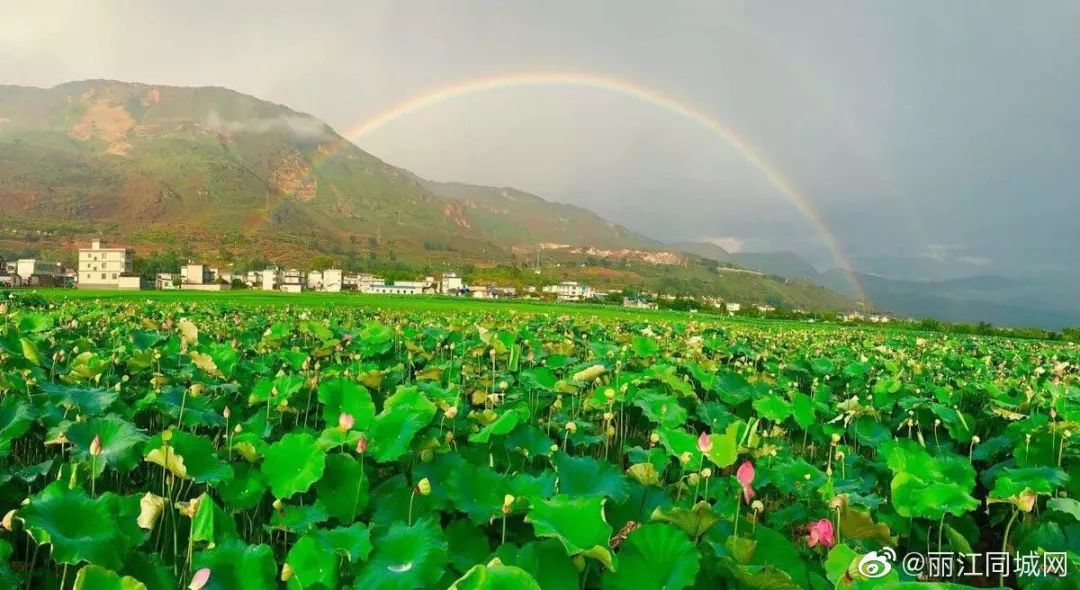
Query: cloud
[302, 126]
[729, 243]
[974, 260]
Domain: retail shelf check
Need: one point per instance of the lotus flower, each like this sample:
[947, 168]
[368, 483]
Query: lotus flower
[704, 442]
[200, 579]
[821, 533]
[745, 475]
[361, 445]
[345, 421]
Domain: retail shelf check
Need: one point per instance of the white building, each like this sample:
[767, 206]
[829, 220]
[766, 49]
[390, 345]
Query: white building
[270, 279]
[732, 307]
[315, 280]
[293, 281]
[200, 277]
[31, 271]
[167, 281]
[103, 268]
[450, 283]
[570, 291]
[395, 289]
[332, 280]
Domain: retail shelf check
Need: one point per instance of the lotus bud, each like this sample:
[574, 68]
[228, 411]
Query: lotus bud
[166, 436]
[451, 412]
[704, 442]
[835, 438]
[1067, 434]
[610, 431]
[975, 440]
[361, 445]
[554, 448]
[609, 394]
[449, 437]
[9, 520]
[95, 446]
[608, 416]
[654, 438]
[238, 428]
[345, 421]
[508, 500]
[226, 412]
[693, 479]
[199, 580]
[424, 487]
[937, 422]
[286, 572]
[278, 504]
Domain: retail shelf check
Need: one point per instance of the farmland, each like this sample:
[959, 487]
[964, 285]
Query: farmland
[261, 441]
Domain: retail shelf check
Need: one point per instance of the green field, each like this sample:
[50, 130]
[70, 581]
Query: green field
[161, 440]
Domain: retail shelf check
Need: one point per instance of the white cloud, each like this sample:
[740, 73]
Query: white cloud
[974, 260]
[303, 127]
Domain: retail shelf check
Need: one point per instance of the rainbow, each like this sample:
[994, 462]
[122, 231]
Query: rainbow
[609, 84]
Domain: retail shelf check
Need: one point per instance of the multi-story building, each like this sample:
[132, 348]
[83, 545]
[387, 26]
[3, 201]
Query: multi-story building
[570, 291]
[451, 284]
[104, 268]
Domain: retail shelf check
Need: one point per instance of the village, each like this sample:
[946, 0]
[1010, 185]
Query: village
[105, 266]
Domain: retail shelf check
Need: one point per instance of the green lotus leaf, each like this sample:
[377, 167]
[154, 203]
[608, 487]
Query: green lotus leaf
[773, 407]
[343, 489]
[405, 557]
[1065, 506]
[655, 556]
[298, 519]
[30, 351]
[188, 456]
[500, 426]
[352, 542]
[664, 410]
[578, 523]
[293, 464]
[695, 521]
[244, 490]
[210, 523]
[340, 395]
[476, 490]
[468, 544]
[725, 447]
[929, 487]
[313, 563]
[403, 415]
[585, 476]
[1013, 485]
[94, 577]
[119, 439]
[89, 401]
[756, 577]
[548, 563]
[16, 416]
[236, 566]
[78, 528]
[495, 576]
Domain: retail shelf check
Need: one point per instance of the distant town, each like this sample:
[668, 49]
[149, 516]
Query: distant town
[106, 266]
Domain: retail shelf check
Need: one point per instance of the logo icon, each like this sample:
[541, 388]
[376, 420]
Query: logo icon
[877, 565]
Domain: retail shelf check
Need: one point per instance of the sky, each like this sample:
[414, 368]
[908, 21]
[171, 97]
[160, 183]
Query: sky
[939, 131]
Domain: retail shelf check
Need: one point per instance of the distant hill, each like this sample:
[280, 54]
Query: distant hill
[227, 177]
[705, 250]
[782, 264]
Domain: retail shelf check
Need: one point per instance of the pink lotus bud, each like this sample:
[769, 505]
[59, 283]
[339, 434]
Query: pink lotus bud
[361, 445]
[345, 421]
[745, 475]
[95, 446]
[200, 579]
[704, 443]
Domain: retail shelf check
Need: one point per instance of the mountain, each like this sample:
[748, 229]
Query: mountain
[705, 250]
[782, 264]
[225, 177]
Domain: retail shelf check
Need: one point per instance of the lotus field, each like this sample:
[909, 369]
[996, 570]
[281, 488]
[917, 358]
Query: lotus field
[213, 445]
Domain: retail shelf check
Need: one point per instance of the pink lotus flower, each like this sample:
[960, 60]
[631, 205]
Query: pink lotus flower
[200, 579]
[361, 445]
[745, 475]
[704, 443]
[821, 533]
[345, 421]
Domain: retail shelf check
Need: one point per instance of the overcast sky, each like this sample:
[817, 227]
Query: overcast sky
[946, 129]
